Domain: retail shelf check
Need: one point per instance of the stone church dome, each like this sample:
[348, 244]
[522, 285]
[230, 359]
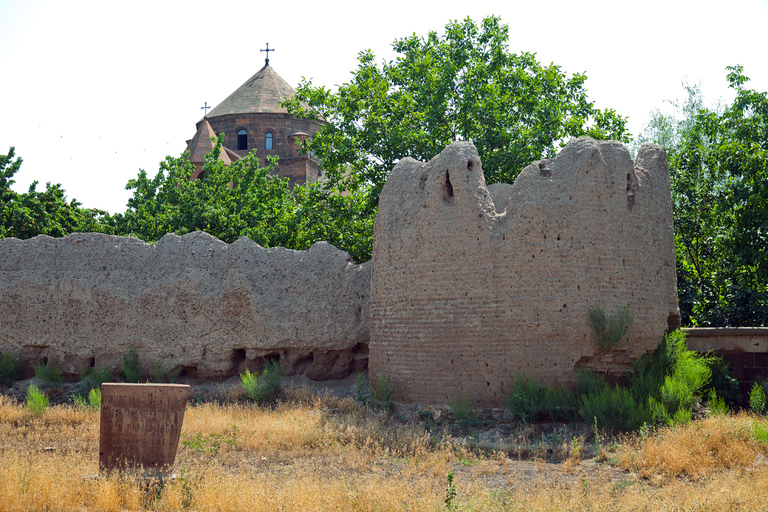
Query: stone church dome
[251, 118]
[260, 94]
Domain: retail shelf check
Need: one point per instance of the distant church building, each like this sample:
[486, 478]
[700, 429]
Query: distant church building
[252, 118]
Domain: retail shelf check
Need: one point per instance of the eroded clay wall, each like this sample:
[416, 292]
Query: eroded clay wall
[192, 302]
[473, 284]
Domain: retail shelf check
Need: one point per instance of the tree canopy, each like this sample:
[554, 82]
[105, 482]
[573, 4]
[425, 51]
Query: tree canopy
[719, 168]
[462, 85]
[242, 199]
[39, 212]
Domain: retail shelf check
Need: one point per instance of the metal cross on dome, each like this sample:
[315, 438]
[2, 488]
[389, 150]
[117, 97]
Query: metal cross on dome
[267, 50]
[205, 109]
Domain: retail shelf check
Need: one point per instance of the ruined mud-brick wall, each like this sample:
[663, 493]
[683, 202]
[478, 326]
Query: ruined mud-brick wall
[193, 302]
[473, 284]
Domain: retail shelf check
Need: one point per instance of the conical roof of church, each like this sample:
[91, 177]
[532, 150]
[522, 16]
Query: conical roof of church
[262, 93]
[201, 144]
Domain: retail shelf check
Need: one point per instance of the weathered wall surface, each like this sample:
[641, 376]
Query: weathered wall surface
[193, 301]
[471, 284]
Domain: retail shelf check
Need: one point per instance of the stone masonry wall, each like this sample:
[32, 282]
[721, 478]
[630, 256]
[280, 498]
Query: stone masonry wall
[194, 302]
[473, 284]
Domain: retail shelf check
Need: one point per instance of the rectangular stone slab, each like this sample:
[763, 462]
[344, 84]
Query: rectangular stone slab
[140, 426]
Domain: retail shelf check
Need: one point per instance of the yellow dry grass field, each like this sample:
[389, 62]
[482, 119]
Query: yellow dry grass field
[313, 452]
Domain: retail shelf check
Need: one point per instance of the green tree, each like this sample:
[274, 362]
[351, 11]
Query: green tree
[40, 212]
[719, 169]
[243, 199]
[463, 85]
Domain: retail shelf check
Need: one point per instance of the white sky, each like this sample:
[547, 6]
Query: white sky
[93, 91]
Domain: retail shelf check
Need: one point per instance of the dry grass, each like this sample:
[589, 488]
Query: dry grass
[700, 449]
[300, 456]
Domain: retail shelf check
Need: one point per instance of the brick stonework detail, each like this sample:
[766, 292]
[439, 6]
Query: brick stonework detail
[292, 164]
[472, 284]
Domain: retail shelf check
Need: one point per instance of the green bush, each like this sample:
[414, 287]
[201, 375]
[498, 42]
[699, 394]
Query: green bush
[615, 407]
[262, 388]
[382, 392]
[37, 401]
[526, 399]
[130, 366]
[560, 404]
[607, 332]
[663, 389]
[10, 368]
[717, 405]
[50, 374]
[723, 382]
[588, 382]
[757, 398]
[93, 401]
[465, 415]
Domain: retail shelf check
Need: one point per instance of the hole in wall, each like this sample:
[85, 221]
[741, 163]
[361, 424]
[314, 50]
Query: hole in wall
[447, 188]
[188, 372]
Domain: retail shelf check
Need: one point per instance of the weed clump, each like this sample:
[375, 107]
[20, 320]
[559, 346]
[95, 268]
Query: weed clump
[757, 398]
[382, 393]
[50, 374]
[92, 401]
[262, 388]
[130, 366]
[463, 412]
[378, 394]
[162, 373]
[608, 331]
[37, 400]
[96, 376]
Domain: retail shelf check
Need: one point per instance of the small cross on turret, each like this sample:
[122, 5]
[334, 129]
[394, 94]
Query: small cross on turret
[205, 109]
[266, 62]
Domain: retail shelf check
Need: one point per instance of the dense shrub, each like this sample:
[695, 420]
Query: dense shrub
[663, 390]
[261, 388]
[10, 368]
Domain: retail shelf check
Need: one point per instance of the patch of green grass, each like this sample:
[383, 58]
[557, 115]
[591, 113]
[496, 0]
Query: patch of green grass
[760, 433]
[210, 443]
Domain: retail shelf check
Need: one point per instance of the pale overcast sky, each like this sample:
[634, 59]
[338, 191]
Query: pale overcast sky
[93, 91]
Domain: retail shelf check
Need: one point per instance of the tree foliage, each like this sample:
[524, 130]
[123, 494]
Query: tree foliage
[39, 212]
[463, 85]
[242, 199]
[719, 168]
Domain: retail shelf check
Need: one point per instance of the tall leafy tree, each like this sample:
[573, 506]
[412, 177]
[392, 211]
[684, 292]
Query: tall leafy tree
[243, 199]
[719, 168]
[462, 85]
